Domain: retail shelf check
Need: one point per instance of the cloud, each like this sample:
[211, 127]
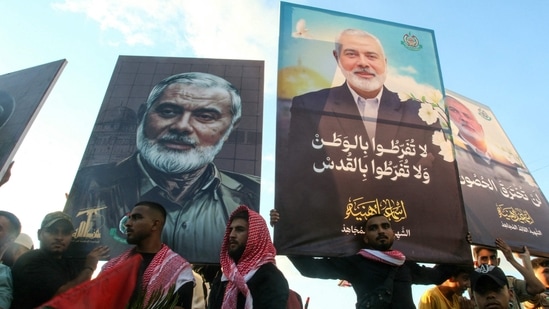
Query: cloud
[209, 28]
[408, 69]
[236, 29]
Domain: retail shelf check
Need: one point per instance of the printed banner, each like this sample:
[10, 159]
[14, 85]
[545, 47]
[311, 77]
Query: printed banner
[362, 130]
[500, 195]
[182, 132]
[22, 94]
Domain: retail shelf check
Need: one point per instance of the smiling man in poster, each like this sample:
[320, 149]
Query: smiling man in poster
[360, 148]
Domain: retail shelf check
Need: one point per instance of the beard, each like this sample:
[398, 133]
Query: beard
[236, 254]
[364, 84]
[174, 161]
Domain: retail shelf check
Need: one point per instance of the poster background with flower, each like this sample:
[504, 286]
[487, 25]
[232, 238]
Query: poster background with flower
[501, 198]
[331, 176]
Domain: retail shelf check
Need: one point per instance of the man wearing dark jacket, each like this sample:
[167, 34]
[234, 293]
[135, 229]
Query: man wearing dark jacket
[249, 277]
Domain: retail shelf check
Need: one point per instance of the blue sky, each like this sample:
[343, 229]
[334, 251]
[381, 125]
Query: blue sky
[493, 52]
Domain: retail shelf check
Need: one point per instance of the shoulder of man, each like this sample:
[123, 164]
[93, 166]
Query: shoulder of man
[237, 180]
[269, 272]
[313, 100]
[519, 288]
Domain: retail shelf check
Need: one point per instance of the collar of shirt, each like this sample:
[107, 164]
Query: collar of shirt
[356, 96]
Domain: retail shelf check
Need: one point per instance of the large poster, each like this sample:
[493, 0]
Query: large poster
[501, 198]
[362, 130]
[182, 132]
[22, 94]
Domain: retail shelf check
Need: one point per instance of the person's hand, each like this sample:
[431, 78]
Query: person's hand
[525, 256]
[469, 238]
[465, 303]
[504, 247]
[275, 216]
[7, 175]
[98, 253]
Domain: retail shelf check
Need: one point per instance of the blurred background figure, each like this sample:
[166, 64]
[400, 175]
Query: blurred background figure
[20, 245]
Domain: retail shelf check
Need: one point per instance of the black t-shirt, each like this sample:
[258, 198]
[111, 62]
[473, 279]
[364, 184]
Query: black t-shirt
[37, 275]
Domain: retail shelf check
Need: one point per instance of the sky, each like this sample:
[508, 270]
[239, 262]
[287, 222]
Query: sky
[493, 52]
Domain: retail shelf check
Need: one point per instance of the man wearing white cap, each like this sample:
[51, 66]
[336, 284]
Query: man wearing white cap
[23, 243]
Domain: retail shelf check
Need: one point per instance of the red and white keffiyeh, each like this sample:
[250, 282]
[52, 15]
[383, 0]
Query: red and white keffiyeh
[391, 257]
[166, 269]
[259, 251]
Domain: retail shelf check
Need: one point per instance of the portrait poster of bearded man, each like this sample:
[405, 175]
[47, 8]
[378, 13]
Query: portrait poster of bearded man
[182, 132]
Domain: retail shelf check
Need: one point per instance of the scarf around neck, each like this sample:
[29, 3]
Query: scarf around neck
[391, 257]
[259, 251]
[163, 271]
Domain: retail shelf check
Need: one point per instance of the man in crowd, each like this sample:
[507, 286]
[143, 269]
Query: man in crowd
[490, 288]
[10, 228]
[380, 276]
[522, 289]
[40, 274]
[448, 295]
[186, 120]
[23, 243]
[249, 277]
[541, 270]
[161, 268]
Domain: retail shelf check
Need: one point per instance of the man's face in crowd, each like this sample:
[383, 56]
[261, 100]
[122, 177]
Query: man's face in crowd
[486, 256]
[493, 296]
[141, 221]
[363, 64]
[56, 238]
[185, 128]
[461, 283]
[464, 119]
[238, 237]
[5, 230]
[379, 233]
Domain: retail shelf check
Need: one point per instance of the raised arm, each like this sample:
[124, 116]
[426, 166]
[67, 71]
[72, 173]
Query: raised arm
[533, 285]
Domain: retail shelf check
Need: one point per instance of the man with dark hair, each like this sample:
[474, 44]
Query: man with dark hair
[249, 276]
[40, 274]
[523, 290]
[381, 277]
[185, 122]
[10, 228]
[490, 288]
[448, 295]
[161, 268]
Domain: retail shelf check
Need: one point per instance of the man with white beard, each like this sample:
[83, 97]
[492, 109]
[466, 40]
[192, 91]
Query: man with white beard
[187, 119]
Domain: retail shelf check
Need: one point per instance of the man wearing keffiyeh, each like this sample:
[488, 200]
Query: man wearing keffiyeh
[249, 277]
[160, 268]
